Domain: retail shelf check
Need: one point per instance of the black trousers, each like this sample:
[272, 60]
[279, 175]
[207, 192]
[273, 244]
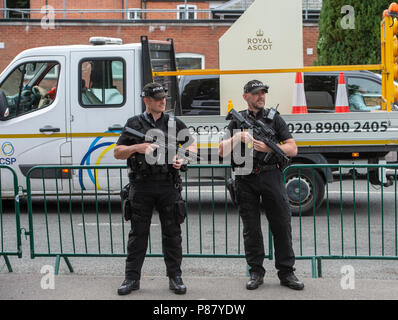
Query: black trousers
[144, 197]
[269, 187]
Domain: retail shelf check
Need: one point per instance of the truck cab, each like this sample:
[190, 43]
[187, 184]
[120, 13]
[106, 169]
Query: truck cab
[66, 105]
[200, 94]
[364, 135]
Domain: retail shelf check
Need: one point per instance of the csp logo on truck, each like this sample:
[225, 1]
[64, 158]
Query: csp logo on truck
[6, 154]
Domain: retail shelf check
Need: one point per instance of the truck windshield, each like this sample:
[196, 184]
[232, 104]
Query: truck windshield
[30, 86]
[200, 97]
[320, 92]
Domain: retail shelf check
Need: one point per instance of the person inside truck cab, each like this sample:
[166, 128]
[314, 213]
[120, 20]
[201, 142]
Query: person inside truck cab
[95, 88]
[356, 100]
[35, 98]
[46, 97]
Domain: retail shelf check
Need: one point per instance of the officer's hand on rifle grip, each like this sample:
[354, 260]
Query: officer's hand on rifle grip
[145, 148]
[260, 146]
[177, 163]
[151, 148]
[244, 136]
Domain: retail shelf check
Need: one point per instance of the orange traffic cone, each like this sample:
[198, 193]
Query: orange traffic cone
[299, 102]
[341, 99]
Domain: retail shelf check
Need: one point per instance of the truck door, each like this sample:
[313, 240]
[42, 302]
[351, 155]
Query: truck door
[33, 129]
[102, 99]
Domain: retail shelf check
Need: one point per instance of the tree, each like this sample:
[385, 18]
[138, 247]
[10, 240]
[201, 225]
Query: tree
[351, 37]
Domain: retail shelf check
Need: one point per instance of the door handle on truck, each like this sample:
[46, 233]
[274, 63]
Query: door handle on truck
[49, 129]
[115, 127]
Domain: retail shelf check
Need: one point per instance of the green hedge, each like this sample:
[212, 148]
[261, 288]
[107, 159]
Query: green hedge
[344, 46]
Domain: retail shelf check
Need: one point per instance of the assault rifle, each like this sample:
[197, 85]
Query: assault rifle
[182, 153]
[262, 133]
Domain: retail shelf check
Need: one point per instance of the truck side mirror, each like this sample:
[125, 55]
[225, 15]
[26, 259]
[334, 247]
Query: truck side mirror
[4, 108]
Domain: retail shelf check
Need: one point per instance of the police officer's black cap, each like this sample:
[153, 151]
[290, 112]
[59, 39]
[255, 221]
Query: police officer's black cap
[154, 90]
[255, 86]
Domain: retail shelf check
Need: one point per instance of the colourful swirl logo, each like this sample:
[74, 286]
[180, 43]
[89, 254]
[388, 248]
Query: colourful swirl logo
[86, 160]
[7, 149]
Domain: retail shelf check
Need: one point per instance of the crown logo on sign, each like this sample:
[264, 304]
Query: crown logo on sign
[259, 33]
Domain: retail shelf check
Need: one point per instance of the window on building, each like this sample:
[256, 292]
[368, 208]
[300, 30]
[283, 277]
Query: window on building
[186, 13]
[30, 87]
[190, 61]
[134, 14]
[102, 82]
[18, 5]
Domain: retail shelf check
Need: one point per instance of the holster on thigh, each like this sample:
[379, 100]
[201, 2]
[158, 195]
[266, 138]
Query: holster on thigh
[180, 211]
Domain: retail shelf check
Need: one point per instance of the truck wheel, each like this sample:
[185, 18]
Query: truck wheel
[307, 196]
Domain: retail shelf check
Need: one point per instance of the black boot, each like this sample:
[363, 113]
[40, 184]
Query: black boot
[176, 285]
[255, 281]
[292, 282]
[128, 286]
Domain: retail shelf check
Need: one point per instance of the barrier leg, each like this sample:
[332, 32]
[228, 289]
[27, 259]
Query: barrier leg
[57, 262]
[68, 264]
[313, 262]
[270, 244]
[8, 264]
[319, 268]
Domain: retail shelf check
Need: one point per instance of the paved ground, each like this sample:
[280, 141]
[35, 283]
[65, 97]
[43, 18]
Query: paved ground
[83, 287]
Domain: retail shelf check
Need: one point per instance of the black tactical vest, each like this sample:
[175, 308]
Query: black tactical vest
[268, 120]
[137, 164]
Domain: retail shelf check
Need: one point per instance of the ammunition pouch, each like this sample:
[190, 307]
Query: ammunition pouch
[127, 210]
[126, 206]
[180, 211]
[232, 191]
[140, 170]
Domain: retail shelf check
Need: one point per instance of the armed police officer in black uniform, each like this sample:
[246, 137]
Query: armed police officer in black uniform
[265, 181]
[153, 185]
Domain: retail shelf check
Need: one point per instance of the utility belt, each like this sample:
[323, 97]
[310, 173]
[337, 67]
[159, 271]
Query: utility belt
[149, 172]
[173, 177]
[177, 209]
[140, 176]
[259, 169]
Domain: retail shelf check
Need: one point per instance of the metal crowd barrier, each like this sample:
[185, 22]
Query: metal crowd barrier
[72, 203]
[79, 214]
[10, 238]
[224, 240]
[357, 220]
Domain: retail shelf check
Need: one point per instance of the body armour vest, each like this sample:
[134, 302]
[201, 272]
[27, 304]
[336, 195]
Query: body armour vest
[268, 119]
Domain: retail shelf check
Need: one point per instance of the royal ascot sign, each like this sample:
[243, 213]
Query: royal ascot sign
[260, 39]
[259, 42]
